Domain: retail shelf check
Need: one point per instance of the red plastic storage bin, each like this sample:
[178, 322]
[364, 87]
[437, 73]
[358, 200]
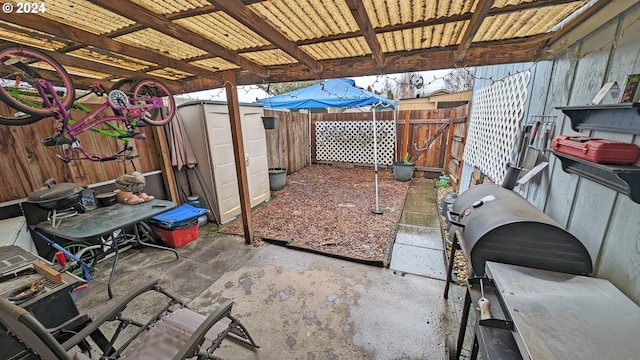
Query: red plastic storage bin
[600, 151]
[177, 238]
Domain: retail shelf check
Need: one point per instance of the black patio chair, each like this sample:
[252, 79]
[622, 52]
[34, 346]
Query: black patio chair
[172, 332]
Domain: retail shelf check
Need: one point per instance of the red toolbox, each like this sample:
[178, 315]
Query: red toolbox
[600, 151]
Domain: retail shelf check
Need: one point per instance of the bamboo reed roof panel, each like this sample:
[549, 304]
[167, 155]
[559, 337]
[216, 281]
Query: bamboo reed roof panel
[170, 6]
[387, 13]
[29, 37]
[191, 42]
[423, 38]
[346, 48]
[164, 44]
[224, 30]
[73, 71]
[524, 23]
[86, 73]
[170, 74]
[215, 64]
[84, 15]
[307, 19]
[269, 57]
[110, 58]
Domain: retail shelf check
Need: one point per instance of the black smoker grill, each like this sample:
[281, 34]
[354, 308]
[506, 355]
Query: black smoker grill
[524, 286]
[491, 223]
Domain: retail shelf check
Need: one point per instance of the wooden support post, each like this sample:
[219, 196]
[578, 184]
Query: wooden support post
[405, 134]
[467, 116]
[230, 85]
[452, 120]
[170, 184]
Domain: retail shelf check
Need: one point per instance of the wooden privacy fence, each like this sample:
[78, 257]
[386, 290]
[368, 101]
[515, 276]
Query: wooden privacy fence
[26, 164]
[445, 153]
[288, 146]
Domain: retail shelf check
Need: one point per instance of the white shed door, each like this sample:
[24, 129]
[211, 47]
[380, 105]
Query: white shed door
[223, 161]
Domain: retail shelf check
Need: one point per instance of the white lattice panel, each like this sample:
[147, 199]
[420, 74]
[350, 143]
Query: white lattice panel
[352, 141]
[493, 127]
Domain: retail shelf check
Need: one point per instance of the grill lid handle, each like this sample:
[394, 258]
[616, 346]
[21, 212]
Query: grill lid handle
[454, 218]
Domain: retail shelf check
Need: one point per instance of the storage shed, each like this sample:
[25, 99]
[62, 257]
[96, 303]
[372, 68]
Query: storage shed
[208, 128]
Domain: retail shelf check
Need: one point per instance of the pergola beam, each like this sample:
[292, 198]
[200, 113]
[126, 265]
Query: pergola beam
[485, 53]
[39, 23]
[74, 61]
[480, 13]
[424, 23]
[364, 23]
[241, 13]
[158, 23]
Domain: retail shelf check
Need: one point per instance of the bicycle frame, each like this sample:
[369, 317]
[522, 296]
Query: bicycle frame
[90, 121]
[114, 132]
[31, 97]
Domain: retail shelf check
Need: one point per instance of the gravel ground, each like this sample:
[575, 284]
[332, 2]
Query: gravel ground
[328, 209]
[459, 263]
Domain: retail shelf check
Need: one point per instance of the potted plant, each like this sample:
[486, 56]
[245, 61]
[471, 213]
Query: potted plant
[403, 170]
[277, 178]
[270, 122]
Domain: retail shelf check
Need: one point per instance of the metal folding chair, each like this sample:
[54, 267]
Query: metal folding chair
[172, 332]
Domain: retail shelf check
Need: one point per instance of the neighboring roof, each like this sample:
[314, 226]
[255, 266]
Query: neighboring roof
[436, 93]
[333, 93]
[190, 43]
[446, 99]
[182, 102]
[451, 96]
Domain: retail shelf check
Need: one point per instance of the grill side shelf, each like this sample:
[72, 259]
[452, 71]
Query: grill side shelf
[492, 337]
[499, 319]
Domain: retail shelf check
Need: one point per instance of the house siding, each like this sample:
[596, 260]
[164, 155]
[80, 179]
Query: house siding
[607, 222]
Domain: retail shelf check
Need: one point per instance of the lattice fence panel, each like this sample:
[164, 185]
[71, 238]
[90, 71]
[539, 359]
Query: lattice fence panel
[497, 112]
[352, 141]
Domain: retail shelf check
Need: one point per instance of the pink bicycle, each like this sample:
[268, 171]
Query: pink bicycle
[35, 86]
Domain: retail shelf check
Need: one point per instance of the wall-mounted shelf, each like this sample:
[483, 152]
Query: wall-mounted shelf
[620, 118]
[625, 179]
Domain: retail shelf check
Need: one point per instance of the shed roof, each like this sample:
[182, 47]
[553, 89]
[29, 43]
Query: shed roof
[190, 43]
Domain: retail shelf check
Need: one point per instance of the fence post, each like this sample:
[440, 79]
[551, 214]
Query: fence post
[452, 119]
[405, 135]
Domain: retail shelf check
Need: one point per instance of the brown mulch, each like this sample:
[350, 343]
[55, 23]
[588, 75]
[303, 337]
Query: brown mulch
[328, 209]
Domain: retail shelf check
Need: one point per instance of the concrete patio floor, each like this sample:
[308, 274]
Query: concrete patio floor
[300, 305]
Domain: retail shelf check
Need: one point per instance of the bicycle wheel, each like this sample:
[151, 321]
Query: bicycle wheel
[125, 85]
[88, 256]
[21, 70]
[143, 93]
[146, 233]
[13, 117]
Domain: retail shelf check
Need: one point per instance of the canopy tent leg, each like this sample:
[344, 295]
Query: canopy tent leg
[377, 210]
[309, 113]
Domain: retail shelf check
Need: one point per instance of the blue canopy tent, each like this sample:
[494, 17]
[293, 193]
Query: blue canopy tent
[333, 93]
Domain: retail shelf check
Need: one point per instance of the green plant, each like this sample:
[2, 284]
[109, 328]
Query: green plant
[407, 159]
[443, 181]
